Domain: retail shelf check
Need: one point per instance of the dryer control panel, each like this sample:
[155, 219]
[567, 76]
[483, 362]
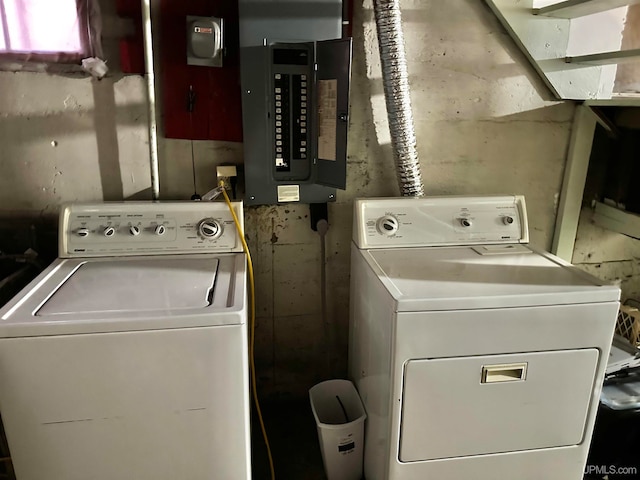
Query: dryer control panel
[148, 228]
[440, 221]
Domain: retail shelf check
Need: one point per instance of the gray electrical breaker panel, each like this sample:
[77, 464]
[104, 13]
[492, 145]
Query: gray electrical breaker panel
[295, 106]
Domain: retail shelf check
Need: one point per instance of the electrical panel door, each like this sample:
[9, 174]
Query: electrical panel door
[295, 99]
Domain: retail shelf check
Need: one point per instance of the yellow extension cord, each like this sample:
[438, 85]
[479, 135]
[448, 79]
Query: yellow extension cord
[252, 327]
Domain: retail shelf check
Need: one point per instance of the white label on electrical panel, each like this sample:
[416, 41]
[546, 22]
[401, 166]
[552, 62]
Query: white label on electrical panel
[288, 193]
[327, 119]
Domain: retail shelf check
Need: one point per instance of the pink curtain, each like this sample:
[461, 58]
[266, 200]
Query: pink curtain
[48, 30]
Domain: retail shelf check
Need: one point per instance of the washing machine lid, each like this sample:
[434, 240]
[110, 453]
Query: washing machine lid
[492, 276]
[134, 285]
[100, 295]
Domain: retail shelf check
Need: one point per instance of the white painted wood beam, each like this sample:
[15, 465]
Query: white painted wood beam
[545, 40]
[616, 220]
[581, 8]
[610, 127]
[618, 100]
[575, 177]
[606, 58]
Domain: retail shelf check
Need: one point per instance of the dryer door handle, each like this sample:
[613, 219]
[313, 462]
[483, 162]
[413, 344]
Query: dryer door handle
[508, 372]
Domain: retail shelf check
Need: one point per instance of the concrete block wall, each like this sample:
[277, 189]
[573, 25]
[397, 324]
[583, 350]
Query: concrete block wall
[485, 124]
[69, 138]
[628, 74]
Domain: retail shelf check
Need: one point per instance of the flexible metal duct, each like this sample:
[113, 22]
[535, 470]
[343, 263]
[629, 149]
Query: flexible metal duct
[396, 93]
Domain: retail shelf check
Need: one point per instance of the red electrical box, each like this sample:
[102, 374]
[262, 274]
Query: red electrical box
[216, 110]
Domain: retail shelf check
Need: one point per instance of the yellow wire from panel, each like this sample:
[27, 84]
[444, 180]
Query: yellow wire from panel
[252, 327]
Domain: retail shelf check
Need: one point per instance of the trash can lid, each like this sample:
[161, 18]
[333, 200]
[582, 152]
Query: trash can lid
[622, 356]
[622, 393]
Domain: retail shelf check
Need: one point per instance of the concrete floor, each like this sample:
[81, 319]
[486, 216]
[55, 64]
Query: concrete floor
[294, 443]
[296, 451]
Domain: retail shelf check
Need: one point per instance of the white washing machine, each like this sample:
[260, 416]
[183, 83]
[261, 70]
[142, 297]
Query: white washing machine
[476, 356]
[127, 357]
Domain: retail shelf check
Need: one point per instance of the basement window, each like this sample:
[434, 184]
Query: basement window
[45, 32]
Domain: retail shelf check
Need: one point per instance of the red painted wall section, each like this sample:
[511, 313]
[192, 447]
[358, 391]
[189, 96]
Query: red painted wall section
[132, 47]
[217, 113]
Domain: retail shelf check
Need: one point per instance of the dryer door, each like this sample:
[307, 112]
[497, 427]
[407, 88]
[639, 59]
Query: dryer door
[454, 407]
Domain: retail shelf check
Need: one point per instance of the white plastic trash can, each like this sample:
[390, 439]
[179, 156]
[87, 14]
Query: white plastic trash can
[340, 420]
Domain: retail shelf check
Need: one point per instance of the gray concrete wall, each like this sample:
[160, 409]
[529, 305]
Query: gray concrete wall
[485, 124]
[628, 74]
[68, 138]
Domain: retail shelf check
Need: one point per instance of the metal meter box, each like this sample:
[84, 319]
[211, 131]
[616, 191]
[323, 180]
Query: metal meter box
[205, 41]
[295, 77]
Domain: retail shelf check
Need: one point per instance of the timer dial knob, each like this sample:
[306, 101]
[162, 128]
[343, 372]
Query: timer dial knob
[388, 225]
[507, 220]
[160, 230]
[465, 222]
[82, 232]
[109, 231]
[210, 228]
[134, 230]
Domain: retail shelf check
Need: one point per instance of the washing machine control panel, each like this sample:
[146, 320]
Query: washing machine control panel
[141, 228]
[439, 221]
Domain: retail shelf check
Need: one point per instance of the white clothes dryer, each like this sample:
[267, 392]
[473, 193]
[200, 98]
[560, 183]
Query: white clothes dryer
[127, 357]
[476, 356]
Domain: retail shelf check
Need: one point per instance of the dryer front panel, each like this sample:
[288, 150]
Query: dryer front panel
[464, 406]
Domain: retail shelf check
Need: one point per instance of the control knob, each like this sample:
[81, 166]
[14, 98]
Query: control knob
[160, 230]
[388, 225]
[134, 230]
[82, 232]
[109, 231]
[507, 220]
[465, 222]
[210, 228]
